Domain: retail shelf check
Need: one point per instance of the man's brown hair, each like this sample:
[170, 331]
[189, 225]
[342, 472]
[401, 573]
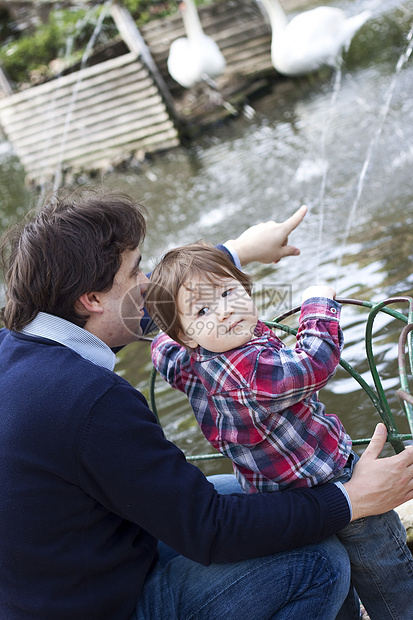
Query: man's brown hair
[176, 268]
[72, 246]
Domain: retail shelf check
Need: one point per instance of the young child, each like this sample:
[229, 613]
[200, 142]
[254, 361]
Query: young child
[256, 402]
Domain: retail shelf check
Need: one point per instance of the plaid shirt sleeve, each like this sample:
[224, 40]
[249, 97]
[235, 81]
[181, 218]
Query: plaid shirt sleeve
[287, 376]
[170, 359]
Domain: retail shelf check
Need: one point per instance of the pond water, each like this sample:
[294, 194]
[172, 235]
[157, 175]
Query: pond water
[347, 153]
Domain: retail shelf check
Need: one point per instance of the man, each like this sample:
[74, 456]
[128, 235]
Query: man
[89, 482]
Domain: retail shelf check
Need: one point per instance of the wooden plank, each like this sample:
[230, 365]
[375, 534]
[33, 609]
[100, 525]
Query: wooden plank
[56, 114]
[81, 138]
[50, 117]
[98, 71]
[136, 43]
[113, 106]
[253, 47]
[164, 138]
[101, 154]
[62, 90]
[5, 88]
[123, 109]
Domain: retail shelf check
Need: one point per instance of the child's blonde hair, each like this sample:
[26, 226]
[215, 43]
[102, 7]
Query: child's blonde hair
[199, 259]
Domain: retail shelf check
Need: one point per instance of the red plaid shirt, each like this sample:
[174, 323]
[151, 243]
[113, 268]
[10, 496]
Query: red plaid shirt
[258, 404]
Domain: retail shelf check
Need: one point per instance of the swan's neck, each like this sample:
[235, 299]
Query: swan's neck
[277, 16]
[190, 17]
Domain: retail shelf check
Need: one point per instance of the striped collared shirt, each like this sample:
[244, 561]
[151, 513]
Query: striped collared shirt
[87, 345]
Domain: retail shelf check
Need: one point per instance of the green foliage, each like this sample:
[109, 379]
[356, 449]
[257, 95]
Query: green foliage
[145, 10]
[26, 58]
[22, 56]
[65, 35]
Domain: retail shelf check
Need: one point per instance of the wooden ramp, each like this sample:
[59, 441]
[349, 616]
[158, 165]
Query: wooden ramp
[105, 113]
[88, 119]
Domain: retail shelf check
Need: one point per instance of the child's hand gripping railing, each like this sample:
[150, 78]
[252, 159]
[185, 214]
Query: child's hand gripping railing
[377, 396]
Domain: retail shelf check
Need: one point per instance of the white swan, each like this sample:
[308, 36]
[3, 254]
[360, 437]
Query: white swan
[311, 39]
[197, 56]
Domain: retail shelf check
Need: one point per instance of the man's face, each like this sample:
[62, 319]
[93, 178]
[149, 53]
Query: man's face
[123, 304]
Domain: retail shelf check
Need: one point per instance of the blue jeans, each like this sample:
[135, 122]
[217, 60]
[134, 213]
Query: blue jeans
[381, 565]
[307, 583]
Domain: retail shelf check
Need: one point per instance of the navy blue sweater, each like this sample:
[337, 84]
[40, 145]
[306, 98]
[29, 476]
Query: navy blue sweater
[89, 483]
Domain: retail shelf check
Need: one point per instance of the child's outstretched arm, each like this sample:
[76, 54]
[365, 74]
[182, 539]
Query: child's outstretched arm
[318, 290]
[286, 375]
[319, 336]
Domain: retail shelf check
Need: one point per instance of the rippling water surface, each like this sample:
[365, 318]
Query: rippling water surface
[252, 170]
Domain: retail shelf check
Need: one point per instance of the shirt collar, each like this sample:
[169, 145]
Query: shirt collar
[89, 346]
[261, 334]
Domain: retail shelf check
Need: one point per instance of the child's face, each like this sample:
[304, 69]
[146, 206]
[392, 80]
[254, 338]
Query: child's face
[217, 316]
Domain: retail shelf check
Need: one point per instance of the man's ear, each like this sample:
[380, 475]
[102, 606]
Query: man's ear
[90, 302]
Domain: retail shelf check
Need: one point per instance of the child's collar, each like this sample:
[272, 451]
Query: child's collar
[201, 355]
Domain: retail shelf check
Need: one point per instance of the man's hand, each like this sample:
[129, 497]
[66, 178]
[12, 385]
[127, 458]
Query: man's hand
[267, 242]
[379, 485]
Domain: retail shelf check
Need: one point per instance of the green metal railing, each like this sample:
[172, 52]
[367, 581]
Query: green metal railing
[376, 394]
